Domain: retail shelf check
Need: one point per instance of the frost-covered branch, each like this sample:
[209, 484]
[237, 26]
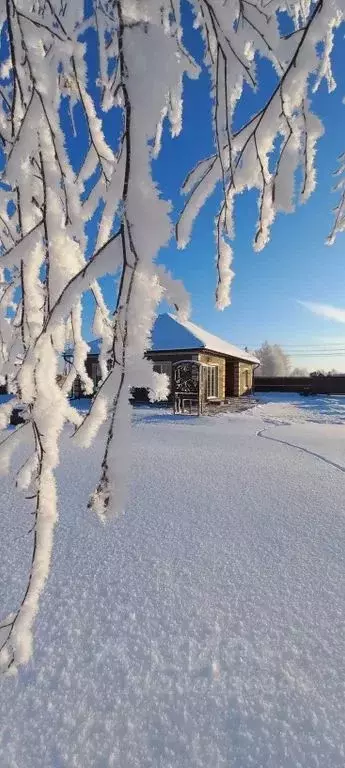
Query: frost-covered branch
[339, 211]
[266, 151]
[113, 107]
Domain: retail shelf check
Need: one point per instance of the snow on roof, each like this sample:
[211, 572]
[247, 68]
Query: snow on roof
[170, 333]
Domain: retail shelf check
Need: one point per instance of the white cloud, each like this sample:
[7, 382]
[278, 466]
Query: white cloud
[325, 310]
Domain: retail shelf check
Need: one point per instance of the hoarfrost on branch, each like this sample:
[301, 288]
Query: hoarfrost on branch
[50, 96]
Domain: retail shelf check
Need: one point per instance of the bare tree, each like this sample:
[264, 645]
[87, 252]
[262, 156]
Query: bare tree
[46, 202]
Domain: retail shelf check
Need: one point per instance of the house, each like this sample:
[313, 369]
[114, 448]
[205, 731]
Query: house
[227, 370]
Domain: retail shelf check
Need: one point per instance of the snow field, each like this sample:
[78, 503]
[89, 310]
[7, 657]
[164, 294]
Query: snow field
[205, 626]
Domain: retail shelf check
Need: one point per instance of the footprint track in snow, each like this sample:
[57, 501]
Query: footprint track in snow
[277, 423]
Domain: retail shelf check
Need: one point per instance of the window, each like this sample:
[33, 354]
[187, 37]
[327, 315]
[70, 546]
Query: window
[95, 373]
[163, 368]
[246, 379]
[212, 381]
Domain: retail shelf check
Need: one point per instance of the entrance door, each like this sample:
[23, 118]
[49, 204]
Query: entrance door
[229, 379]
[186, 387]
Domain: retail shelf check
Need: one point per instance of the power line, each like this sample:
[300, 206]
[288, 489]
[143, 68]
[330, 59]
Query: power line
[311, 347]
[316, 354]
[295, 350]
[340, 344]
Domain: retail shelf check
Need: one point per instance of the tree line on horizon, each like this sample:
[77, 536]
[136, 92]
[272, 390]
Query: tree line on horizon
[276, 362]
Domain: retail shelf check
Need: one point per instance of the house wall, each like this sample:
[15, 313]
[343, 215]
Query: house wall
[92, 368]
[202, 357]
[230, 366]
[232, 373]
[208, 359]
[236, 381]
[245, 378]
[171, 357]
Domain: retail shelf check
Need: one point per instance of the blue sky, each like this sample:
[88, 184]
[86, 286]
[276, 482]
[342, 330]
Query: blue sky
[296, 266]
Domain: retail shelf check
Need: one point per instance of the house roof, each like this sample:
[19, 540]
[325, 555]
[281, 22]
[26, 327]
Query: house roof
[94, 346]
[171, 333]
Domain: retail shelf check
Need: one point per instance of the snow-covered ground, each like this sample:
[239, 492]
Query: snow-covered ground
[205, 628]
[318, 408]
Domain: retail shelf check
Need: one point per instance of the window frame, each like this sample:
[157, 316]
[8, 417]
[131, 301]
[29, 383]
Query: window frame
[161, 365]
[212, 381]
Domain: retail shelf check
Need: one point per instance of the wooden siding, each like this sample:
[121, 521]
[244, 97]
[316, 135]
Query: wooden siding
[171, 356]
[209, 359]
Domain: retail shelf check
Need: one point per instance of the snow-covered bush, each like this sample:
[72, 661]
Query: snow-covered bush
[78, 132]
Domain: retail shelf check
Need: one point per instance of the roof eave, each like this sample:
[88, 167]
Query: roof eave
[204, 350]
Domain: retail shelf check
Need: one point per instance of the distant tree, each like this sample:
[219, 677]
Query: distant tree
[299, 372]
[322, 372]
[274, 361]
